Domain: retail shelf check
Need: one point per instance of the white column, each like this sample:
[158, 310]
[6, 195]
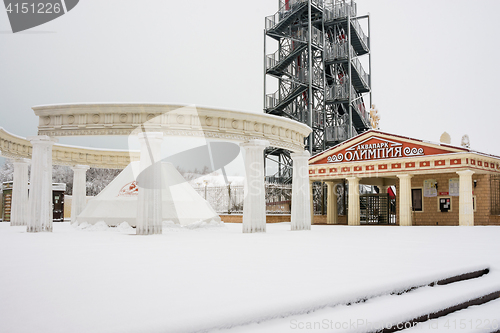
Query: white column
[149, 181]
[353, 217]
[301, 210]
[40, 197]
[405, 218]
[466, 209]
[78, 201]
[20, 206]
[331, 208]
[311, 201]
[254, 205]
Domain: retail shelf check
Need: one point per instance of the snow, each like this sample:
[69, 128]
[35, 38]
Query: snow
[101, 279]
[483, 318]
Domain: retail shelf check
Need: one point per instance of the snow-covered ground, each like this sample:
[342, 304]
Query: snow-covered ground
[211, 277]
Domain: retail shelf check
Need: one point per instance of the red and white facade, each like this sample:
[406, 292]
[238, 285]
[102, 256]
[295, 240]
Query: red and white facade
[382, 159]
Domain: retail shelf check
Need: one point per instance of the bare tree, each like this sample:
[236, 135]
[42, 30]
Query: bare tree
[98, 179]
[7, 171]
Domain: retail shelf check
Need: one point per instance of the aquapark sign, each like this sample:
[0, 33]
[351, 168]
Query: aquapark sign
[375, 148]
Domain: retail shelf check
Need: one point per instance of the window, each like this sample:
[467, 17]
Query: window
[495, 194]
[416, 199]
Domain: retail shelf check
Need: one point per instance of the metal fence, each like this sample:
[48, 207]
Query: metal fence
[229, 199]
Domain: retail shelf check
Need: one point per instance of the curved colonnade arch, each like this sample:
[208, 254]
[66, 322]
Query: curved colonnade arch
[254, 131]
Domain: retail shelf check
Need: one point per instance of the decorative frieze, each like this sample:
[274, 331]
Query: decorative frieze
[125, 119]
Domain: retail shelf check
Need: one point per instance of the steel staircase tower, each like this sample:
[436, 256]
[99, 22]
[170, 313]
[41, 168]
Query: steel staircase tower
[320, 79]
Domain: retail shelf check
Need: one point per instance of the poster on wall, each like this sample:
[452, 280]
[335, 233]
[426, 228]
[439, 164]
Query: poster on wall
[430, 189]
[454, 187]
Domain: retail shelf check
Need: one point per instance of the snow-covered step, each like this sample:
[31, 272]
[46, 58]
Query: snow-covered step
[378, 314]
[479, 318]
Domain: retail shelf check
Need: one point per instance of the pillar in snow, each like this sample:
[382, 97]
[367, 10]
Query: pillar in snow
[40, 198]
[353, 217]
[301, 210]
[78, 201]
[311, 201]
[149, 181]
[405, 200]
[20, 206]
[254, 205]
[466, 209]
[331, 207]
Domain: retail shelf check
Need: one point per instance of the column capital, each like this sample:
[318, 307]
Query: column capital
[404, 176]
[465, 173]
[352, 179]
[21, 161]
[80, 167]
[257, 143]
[42, 139]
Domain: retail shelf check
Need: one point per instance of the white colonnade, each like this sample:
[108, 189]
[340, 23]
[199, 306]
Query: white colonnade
[466, 210]
[40, 198]
[149, 181]
[254, 206]
[301, 216]
[405, 218]
[79, 199]
[353, 217]
[20, 204]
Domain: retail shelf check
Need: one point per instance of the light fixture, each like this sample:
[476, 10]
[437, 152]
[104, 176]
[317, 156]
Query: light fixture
[436, 185]
[475, 182]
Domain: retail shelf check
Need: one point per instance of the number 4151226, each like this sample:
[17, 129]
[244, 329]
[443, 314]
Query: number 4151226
[39, 8]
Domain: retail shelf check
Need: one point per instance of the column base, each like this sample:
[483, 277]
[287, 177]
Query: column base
[39, 229]
[152, 230]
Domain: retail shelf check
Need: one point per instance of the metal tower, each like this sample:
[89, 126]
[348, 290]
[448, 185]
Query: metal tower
[320, 79]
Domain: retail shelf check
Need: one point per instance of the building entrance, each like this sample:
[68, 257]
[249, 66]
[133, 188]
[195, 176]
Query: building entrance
[377, 209]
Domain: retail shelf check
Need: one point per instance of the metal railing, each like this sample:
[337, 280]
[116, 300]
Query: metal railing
[360, 32]
[339, 91]
[272, 100]
[286, 10]
[339, 51]
[341, 10]
[294, 3]
[339, 133]
[318, 119]
[301, 34]
[362, 74]
[317, 39]
[360, 108]
[272, 59]
[229, 199]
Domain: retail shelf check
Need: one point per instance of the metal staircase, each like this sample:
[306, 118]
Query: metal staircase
[320, 77]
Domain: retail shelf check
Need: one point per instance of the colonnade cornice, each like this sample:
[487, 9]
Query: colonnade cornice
[172, 120]
[16, 147]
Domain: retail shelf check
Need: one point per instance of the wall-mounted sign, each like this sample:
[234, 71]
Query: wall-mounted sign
[430, 189]
[454, 187]
[376, 147]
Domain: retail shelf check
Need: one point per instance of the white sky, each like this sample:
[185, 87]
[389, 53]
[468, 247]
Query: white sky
[434, 63]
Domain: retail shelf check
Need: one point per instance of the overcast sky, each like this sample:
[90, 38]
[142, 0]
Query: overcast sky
[434, 62]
